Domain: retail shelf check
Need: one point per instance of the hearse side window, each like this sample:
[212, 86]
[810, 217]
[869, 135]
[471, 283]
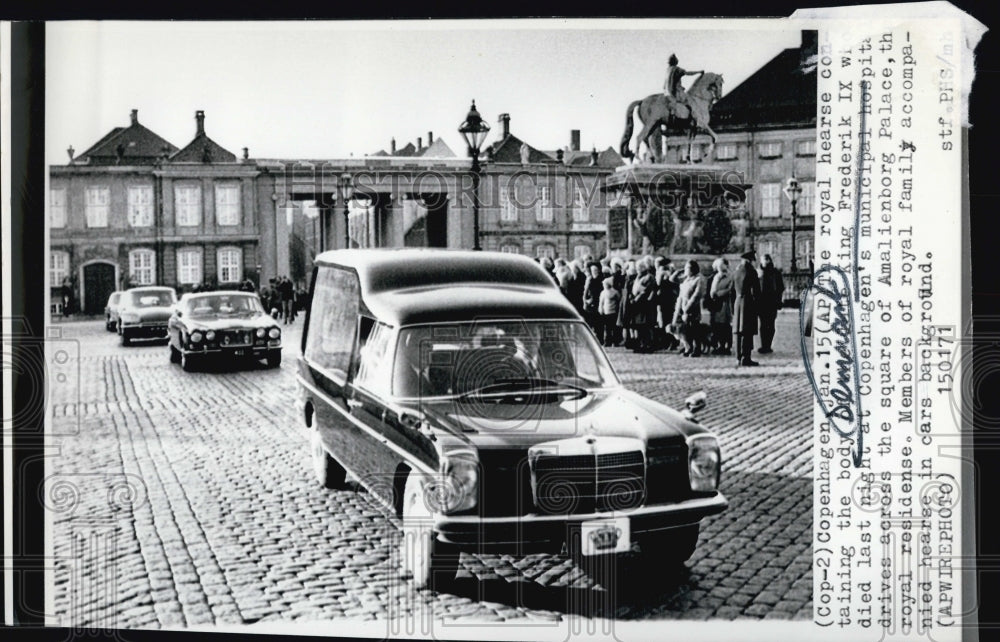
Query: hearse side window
[374, 362]
[330, 341]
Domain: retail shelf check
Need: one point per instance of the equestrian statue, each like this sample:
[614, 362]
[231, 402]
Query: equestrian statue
[674, 112]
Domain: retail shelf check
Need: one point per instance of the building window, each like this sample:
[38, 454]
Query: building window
[806, 147]
[58, 267]
[769, 150]
[543, 208]
[140, 205]
[545, 249]
[804, 206]
[98, 199]
[142, 267]
[187, 204]
[770, 200]
[230, 260]
[57, 207]
[581, 251]
[508, 209]
[227, 204]
[726, 151]
[803, 252]
[581, 213]
[189, 266]
[510, 248]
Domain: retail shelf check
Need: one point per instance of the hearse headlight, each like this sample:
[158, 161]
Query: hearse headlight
[130, 317]
[260, 333]
[704, 462]
[210, 335]
[274, 333]
[196, 337]
[458, 487]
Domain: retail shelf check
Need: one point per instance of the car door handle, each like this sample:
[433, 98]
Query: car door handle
[354, 403]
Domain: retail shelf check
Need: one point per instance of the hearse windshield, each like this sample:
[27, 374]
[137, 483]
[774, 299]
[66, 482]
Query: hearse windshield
[499, 357]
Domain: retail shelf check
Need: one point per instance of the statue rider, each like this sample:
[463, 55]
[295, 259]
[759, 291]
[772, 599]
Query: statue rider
[673, 87]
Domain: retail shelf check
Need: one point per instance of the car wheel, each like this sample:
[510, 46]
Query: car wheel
[126, 340]
[428, 560]
[118, 326]
[274, 359]
[329, 473]
[669, 547]
[188, 362]
[108, 325]
[175, 354]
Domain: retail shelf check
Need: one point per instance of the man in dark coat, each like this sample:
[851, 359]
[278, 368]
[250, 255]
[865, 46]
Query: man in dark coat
[747, 288]
[772, 287]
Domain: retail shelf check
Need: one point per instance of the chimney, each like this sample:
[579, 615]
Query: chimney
[430, 138]
[420, 143]
[574, 140]
[246, 153]
[71, 152]
[199, 117]
[135, 116]
[504, 121]
[392, 147]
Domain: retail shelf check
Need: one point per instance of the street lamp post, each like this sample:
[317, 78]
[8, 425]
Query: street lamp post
[346, 191]
[793, 190]
[474, 130]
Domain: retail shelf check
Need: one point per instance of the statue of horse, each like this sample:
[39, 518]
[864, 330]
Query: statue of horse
[658, 111]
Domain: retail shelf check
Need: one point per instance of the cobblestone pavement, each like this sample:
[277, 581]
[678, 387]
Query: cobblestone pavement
[187, 499]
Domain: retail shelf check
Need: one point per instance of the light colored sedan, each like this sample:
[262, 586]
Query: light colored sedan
[111, 312]
[143, 313]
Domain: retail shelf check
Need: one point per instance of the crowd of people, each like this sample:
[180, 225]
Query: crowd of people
[648, 304]
[282, 299]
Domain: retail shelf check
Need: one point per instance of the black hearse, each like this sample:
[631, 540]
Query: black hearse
[466, 393]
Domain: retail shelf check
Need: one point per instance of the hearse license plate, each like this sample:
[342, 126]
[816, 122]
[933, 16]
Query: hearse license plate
[239, 352]
[605, 536]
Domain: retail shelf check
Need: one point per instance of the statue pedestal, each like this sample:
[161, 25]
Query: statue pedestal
[690, 210]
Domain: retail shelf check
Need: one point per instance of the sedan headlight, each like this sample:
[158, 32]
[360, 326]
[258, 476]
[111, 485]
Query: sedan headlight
[704, 462]
[130, 317]
[196, 337]
[260, 333]
[210, 335]
[457, 488]
[275, 333]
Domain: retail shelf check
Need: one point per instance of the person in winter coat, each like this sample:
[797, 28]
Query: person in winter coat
[591, 298]
[607, 307]
[721, 294]
[746, 284]
[687, 313]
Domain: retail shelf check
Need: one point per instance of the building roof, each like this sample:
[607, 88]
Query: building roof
[132, 145]
[508, 150]
[608, 158]
[407, 286]
[437, 149]
[203, 150]
[780, 94]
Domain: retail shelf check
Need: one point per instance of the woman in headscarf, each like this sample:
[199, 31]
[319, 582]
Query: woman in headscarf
[721, 293]
[625, 311]
[688, 311]
[643, 307]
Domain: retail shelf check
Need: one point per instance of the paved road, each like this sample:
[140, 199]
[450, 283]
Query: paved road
[183, 499]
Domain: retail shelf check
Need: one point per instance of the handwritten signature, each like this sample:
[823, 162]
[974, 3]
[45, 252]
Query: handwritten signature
[845, 412]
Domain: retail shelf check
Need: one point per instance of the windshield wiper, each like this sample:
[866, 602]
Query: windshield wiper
[517, 385]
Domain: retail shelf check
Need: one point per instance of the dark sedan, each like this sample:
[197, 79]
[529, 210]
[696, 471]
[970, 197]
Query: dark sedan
[143, 313]
[222, 325]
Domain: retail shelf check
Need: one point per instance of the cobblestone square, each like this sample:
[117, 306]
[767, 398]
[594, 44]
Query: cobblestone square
[184, 499]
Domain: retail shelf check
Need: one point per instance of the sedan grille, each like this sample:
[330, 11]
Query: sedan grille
[234, 338]
[584, 483]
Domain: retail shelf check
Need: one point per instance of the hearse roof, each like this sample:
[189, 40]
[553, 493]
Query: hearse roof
[408, 286]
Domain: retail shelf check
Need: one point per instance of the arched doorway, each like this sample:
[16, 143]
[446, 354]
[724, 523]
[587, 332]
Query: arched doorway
[98, 279]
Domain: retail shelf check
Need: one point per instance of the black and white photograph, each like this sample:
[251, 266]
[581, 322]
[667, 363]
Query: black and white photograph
[408, 325]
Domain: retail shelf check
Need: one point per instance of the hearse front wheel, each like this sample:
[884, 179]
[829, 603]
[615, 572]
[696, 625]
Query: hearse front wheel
[669, 547]
[428, 560]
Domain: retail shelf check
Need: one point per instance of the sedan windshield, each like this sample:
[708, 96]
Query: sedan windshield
[151, 299]
[498, 357]
[224, 305]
